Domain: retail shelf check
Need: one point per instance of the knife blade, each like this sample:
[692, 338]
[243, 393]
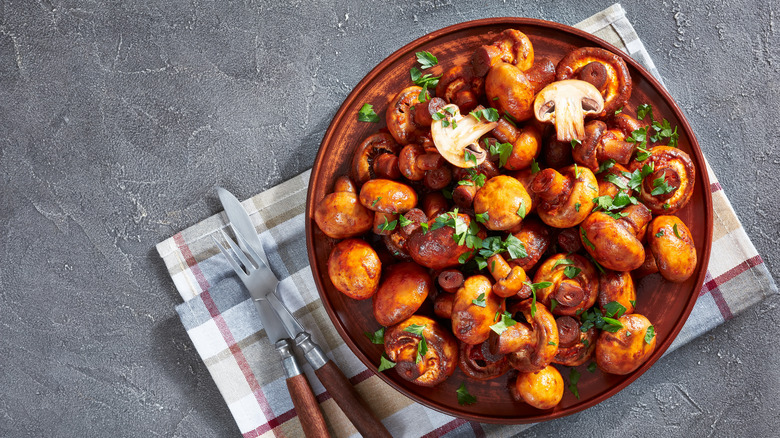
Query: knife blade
[331, 377]
[260, 284]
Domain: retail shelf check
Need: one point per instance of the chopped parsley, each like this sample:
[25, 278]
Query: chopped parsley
[574, 143]
[661, 187]
[385, 364]
[480, 300]
[605, 165]
[659, 233]
[422, 346]
[373, 204]
[613, 308]
[592, 367]
[571, 271]
[367, 114]
[388, 226]
[574, 378]
[585, 239]
[553, 304]
[404, 221]
[562, 262]
[504, 322]
[503, 150]
[649, 334]
[676, 232]
[594, 318]
[468, 156]
[489, 114]
[464, 398]
[521, 211]
[426, 59]
[482, 217]
[535, 287]
[378, 337]
[534, 167]
[423, 79]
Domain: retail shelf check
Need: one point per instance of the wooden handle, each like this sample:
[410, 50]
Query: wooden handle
[350, 402]
[307, 407]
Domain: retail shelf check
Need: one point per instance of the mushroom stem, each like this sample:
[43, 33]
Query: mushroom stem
[551, 186]
[569, 120]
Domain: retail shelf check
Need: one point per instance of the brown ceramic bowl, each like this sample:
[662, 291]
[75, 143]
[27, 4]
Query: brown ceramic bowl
[666, 304]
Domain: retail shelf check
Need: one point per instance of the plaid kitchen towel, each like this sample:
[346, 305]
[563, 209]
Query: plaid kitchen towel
[223, 325]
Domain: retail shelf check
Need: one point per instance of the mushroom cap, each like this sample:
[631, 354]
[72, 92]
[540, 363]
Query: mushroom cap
[565, 103]
[354, 268]
[675, 256]
[617, 88]
[611, 242]
[404, 288]
[542, 389]
[459, 135]
[502, 197]
[625, 350]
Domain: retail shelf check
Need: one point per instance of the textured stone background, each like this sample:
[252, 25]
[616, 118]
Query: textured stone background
[118, 119]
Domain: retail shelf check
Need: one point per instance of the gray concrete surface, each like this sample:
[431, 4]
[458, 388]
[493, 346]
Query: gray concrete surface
[118, 119]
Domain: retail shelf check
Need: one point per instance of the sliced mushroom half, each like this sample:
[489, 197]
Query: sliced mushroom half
[565, 104]
[456, 136]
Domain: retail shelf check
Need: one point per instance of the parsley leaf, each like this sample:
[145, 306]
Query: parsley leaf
[592, 367]
[367, 114]
[521, 211]
[585, 239]
[388, 226]
[385, 364]
[480, 300]
[577, 206]
[468, 156]
[594, 318]
[422, 349]
[373, 204]
[534, 167]
[571, 271]
[404, 221]
[562, 262]
[415, 329]
[676, 232]
[661, 186]
[613, 308]
[503, 150]
[553, 304]
[504, 323]
[649, 334]
[423, 79]
[464, 398]
[489, 114]
[378, 337]
[482, 217]
[574, 378]
[426, 59]
[643, 110]
[605, 165]
[574, 143]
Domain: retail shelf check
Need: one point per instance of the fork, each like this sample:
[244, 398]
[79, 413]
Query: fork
[258, 279]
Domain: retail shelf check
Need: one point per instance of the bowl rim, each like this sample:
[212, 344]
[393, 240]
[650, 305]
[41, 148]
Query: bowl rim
[550, 25]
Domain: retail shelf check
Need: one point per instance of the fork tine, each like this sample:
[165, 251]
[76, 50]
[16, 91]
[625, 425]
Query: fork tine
[230, 258]
[256, 258]
[239, 253]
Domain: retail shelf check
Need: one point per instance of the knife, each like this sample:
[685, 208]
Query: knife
[331, 377]
[302, 396]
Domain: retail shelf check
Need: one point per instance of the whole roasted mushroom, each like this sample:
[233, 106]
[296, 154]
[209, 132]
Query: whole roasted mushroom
[526, 143]
[565, 104]
[672, 246]
[460, 86]
[437, 248]
[438, 362]
[510, 91]
[505, 202]
[400, 116]
[510, 46]
[574, 284]
[387, 196]
[603, 69]
[613, 243]
[403, 289]
[628, 348]
[366, 157]
[575, 346]
[670, 186]
[471, 321]
[541, 389]
[617, 287]
[354, 269]
[566, 196]
[456, 137]
[340, 214]
[600, 144]
[532, 345]
[476, 362]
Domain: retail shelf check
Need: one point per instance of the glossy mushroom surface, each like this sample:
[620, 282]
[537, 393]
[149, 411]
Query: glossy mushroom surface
[628, 348]
[403, 289]
[354, 269]
[402, 347]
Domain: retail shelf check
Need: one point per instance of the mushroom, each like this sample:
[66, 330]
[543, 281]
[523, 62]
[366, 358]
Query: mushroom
[509, 279]
[354, 268]
[625, 350]
[368, 152]
[450, 280]
[565, 104]
[613, 243]
[526, 143]
[404, 288]
[400, 116]
[532, 345]
[670, 186]
[433, 367]
[455, 136]
[566, 196]
[672, 246]
[542, 389]
[505, 201]
[442, 305]
[476, 362]
[461, 87]
[510, 46]
[510, 90]
[387, 196]
[470, 321]
[574, 284]
[535, 237]
[605, 70]
[437, 248]
[340, 214]
[617, 287]
[575, 347]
